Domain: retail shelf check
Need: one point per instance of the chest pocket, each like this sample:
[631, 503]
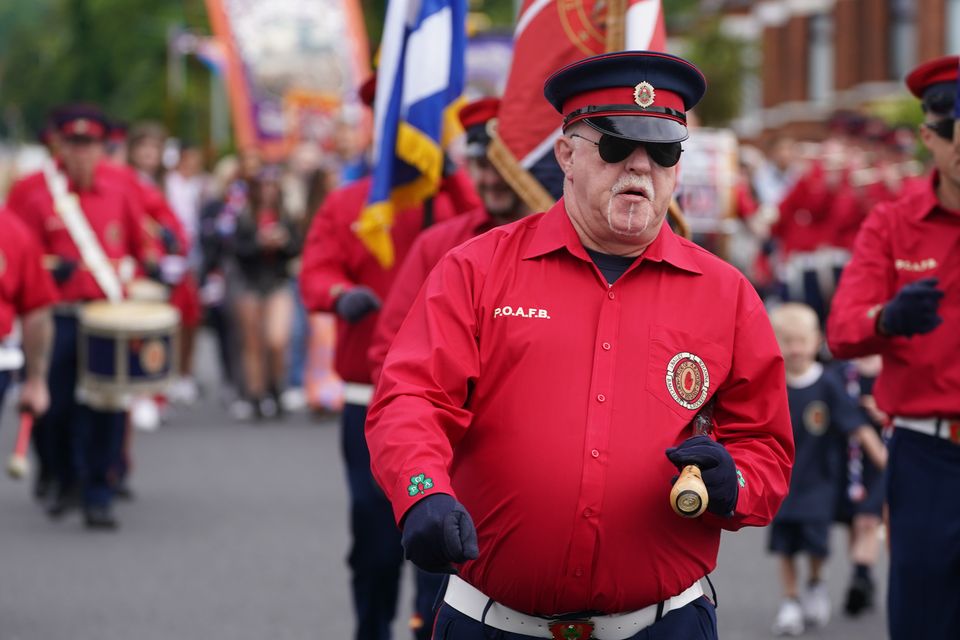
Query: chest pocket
[684, 371]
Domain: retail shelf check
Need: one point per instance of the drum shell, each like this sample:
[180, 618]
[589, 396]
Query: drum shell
[126, 357]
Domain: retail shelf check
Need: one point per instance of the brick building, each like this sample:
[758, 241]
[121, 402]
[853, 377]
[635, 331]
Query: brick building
[815, 56]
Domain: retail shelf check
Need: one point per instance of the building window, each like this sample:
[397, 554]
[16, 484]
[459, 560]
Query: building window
[820, 69]
[953, 26]
[903, 38]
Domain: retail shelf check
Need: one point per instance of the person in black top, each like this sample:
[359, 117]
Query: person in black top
[265, 242]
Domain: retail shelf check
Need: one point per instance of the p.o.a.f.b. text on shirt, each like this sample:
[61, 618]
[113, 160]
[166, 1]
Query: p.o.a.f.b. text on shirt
[521, 312]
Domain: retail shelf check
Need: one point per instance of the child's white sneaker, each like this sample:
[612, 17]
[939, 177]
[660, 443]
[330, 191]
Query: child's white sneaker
[789, 620]
[816, 605]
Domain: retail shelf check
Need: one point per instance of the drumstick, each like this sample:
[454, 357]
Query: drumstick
[689, 496]
[19, 466]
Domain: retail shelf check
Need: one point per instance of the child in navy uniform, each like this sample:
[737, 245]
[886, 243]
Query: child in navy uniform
[862, 492]
[821, 413]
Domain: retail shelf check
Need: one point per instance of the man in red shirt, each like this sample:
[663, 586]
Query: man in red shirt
[83, 442]
[540, 394]
[902, 284]
[501, 205]
[339, 274]
[26, 291]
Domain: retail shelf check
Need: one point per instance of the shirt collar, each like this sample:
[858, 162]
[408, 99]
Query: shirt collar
[926, 198]
[555, 231]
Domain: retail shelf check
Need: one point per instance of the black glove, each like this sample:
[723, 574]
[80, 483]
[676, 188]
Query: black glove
[354, 304]
[913, 310]
[438, 531]
[716, 467]
[169, 240]
[64, 269]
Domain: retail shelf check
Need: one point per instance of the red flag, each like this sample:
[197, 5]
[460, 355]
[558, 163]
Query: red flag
[550, 34]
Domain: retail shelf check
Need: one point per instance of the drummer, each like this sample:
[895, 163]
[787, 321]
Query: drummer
[83, 440]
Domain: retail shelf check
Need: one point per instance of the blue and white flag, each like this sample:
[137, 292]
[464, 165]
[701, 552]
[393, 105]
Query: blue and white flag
[420, 76]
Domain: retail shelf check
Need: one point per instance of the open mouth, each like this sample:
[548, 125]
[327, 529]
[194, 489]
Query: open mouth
[635, 192]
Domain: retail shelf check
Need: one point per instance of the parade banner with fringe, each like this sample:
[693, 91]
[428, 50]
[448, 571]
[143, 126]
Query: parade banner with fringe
[289, 64]
[420, 80]
[550, 34]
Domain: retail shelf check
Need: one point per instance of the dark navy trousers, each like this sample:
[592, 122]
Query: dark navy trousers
[696, 621]
[923, 474]
[376, 557]
[77, 445]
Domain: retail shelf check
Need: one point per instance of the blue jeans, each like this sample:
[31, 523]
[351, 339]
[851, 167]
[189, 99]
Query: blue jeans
[696, 621]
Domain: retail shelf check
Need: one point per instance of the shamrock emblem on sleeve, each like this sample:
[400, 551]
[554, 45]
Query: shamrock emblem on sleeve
[419, 484]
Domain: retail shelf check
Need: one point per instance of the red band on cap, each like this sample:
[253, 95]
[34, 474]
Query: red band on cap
[621, 96]
[83, 127]
[479, 111]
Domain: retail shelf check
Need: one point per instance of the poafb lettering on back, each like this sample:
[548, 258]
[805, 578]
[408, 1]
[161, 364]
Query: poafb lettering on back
[521, 312]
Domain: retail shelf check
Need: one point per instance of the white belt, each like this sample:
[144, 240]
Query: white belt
[359, 394]
[937, 427]
[11, 358]
[471, 602]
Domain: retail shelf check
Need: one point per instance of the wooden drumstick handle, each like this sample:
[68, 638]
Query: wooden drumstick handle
[689, 495]
[19, 465]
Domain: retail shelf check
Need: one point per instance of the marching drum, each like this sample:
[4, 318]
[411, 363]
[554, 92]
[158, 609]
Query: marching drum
[146, 290]
[126, 349]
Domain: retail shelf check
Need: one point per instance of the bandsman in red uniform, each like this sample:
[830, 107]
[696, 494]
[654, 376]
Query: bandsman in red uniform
[501, 205]
[340, 275]
[900, 297]
[540, 395]
[83, 441]
[26, 292]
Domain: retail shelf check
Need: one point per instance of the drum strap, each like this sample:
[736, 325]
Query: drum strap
[67, 206]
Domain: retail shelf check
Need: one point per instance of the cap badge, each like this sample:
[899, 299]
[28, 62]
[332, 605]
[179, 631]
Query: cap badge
[644, 94]
[81, 127]
[688, 380]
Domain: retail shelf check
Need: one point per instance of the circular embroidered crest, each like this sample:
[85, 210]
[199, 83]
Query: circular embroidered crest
[816, 417]
[644, 94]
[584, 23]
[688, 380]
[153, 356]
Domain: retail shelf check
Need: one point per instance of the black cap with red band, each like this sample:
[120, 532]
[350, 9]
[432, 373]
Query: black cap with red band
[80, 122]
[634, 95]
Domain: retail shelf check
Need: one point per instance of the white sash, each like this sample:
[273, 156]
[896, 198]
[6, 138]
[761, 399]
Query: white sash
[67, 206]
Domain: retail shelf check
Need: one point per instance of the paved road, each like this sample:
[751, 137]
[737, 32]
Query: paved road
[239, 533]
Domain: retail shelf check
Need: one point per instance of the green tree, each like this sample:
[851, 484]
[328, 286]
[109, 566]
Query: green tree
[109, 52]
[723, 61]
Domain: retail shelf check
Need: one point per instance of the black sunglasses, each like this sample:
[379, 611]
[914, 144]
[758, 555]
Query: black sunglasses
[613, 150]
[943, 128]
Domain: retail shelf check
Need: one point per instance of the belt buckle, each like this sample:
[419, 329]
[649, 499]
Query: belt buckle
[571, 629]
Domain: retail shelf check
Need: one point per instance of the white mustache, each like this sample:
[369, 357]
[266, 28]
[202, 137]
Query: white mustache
[634, 182]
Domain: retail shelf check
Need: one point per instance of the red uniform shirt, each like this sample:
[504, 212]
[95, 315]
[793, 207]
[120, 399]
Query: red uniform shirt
[805, 222]
[114, 215]
[24, 284]
[901, 242]
[426, 252]
[537, 394]
[334, 260]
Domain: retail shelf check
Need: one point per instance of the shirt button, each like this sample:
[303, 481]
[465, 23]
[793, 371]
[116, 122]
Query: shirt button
[587, 512]
[611, 295]
[606, 346]
[595, 453]
[601, 397]
[578, 572]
